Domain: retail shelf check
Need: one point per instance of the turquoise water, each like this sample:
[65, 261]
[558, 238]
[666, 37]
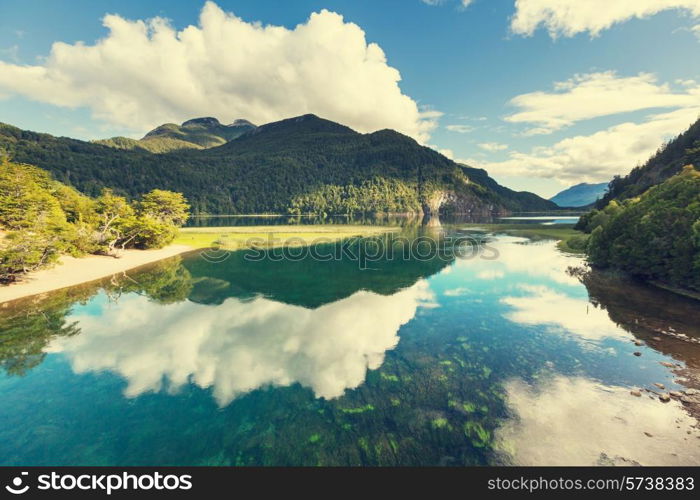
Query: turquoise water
[499, 356]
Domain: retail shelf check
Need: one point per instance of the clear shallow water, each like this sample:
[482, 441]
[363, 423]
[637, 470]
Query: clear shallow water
[440, 361]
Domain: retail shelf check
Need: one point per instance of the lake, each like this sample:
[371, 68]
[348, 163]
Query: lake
[479, 348]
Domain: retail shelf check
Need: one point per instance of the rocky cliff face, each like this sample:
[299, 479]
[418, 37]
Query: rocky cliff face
[466, 203]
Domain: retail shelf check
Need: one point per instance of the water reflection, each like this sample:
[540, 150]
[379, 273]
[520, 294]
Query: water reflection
[240, 346]
[558, 312]
[525, 257]
[303, 363]
[578, 421]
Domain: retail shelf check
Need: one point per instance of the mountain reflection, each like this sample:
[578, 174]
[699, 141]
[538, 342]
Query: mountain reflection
[239, 346]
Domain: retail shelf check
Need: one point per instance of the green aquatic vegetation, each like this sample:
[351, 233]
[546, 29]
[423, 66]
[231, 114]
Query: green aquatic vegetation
[363, 443]
[440, 423]
[479, 436]
[395, 401]
[469, 407]
[314, 438]
[389, 377]
[393, 444]
[446, 362]
[360, 409]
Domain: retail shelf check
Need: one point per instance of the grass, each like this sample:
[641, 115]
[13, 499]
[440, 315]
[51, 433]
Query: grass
[241, 237]
[570, 240]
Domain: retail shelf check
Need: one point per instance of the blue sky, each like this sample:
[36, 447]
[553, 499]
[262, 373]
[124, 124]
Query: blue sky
[542, 97]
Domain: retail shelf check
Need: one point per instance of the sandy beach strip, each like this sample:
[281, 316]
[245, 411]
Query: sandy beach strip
[71, 271]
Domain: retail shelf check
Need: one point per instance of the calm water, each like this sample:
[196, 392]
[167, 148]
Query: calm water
[443, 360]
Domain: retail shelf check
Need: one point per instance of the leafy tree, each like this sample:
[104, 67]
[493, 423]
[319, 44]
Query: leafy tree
[654, 236]
[165, 206]
[40, 219]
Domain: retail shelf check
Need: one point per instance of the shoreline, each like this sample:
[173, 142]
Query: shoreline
[72, 271]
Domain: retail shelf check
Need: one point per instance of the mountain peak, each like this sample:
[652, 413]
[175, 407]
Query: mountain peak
[580, 195]
[308, 123]
[241, 122]
[208, 121]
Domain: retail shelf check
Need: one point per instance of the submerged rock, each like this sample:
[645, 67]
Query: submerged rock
[637, 353]
[664, 398]
[660, 386]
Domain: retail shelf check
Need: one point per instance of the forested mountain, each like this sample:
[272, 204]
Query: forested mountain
[648, 224]
[299, 165]
[667, 162]
[580, 195]
[519, 200]
[655, 236]
[198, 133]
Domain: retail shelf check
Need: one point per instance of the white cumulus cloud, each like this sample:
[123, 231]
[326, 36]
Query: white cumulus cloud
[463, 3]
[570, 17]
[460, 129]
[599, 156]
[614, 150]
[696, 30]
[493, 146]
[144, 73]
[592, 95]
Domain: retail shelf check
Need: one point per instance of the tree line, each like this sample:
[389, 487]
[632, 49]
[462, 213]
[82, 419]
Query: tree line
[41, 219]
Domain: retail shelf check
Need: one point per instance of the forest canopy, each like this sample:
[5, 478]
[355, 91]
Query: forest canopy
[655, 236]
[41, 219]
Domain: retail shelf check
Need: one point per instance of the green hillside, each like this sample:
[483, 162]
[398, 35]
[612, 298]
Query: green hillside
[648, 224]
[199, 133]
[667, 162]
[655, 236]
[299, 165]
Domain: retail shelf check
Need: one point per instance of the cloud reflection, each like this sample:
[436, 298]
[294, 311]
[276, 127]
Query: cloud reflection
[517, 255]
[239, 346]
[544, 306]
[576, 421]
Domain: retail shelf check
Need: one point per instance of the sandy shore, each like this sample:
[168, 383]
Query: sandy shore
[71, 271]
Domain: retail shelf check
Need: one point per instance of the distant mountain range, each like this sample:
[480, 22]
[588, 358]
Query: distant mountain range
[199, 133]
[299, 165]
[580, 195]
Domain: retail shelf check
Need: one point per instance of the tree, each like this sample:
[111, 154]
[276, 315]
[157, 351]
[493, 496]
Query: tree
[42, 218]
[115, 222]
[654, 236]
[165, 206]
